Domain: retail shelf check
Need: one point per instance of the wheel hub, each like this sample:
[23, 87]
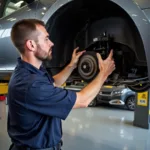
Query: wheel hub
[86, 67]
[131, 103]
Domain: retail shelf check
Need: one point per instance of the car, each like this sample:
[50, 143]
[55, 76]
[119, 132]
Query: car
[97, 26]
[113, 95]
[116, 95]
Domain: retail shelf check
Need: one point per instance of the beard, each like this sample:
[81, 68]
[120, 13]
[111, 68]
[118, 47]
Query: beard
[43, 55]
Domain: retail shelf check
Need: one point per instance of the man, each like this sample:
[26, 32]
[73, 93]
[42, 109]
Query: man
[36, 103]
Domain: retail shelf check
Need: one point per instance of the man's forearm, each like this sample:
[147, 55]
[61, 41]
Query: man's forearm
[88, 93]
[61, 77]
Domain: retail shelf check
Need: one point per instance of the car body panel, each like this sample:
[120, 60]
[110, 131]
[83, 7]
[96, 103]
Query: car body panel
[45, 9]
[147, 13]
[141, 21]
[9, 52]
[115, 95]
[138, 17]
[143, 3]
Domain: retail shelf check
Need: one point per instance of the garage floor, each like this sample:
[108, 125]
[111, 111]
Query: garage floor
[100, 128]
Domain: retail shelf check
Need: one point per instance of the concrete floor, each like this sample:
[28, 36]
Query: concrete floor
[99, 128]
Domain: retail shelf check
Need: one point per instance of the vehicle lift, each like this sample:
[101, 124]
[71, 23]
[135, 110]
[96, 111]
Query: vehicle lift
[3, 99]
[142, 110]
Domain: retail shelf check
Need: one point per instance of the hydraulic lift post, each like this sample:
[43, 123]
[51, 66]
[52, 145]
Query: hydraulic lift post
[142, 110]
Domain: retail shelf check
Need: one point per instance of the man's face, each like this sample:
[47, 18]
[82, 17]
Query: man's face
[44, 45]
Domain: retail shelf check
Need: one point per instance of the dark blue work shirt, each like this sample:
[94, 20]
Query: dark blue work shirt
[36, 107]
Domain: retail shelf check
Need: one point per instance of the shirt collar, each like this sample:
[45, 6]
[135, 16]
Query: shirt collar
[30, 67]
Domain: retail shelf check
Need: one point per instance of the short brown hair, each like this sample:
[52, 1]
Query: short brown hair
[22, 31]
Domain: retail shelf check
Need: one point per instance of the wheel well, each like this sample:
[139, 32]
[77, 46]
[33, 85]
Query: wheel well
[128, 98]
[79, 18]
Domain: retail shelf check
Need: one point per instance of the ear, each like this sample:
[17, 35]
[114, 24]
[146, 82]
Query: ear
[31, 45]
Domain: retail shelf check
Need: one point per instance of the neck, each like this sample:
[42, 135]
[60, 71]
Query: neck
[33, 61]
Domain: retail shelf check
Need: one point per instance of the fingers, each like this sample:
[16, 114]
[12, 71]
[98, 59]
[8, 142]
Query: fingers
[110, 56]
[80, 53]
[83, 51]
[75, 50]
[113, 66]
[100, 60]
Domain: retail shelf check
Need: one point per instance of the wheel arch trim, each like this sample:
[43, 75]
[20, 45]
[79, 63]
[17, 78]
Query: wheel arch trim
[130, 7]
[128, 97]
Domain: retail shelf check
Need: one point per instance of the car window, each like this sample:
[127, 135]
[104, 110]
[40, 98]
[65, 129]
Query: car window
[12, 6]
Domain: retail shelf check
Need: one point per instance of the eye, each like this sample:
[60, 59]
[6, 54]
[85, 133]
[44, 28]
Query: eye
[46, 39]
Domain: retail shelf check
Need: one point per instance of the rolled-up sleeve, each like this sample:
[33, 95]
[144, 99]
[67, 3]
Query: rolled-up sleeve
[44, 98]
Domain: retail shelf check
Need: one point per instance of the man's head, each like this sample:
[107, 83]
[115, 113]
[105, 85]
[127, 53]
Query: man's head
[30, 36]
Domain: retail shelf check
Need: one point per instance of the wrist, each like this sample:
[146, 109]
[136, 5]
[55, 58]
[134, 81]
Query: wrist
[101, 75]
[73, 66]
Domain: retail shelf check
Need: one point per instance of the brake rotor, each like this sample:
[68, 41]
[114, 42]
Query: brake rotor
[88, 66]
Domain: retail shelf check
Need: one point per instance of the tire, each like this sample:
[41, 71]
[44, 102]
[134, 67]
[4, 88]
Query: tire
[140, 88]
[93, 103]
[130, 103]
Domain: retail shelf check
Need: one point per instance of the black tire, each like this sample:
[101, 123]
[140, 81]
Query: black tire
[93, 103]
[130, 103]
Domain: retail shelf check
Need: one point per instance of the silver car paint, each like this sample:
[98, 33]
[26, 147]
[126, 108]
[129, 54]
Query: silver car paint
[143, 3]
[8, 53]
[35, 10]
[132, 9]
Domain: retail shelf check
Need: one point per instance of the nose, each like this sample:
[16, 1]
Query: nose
[51, 44]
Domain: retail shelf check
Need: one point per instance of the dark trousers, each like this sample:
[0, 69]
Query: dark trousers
[13, 147]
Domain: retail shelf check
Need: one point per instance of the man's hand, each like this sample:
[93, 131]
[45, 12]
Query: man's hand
[89, 92]
[75, 57]
[106, 66]
[62, 76]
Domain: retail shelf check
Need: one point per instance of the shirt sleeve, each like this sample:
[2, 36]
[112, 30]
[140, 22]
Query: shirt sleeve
[46, 99]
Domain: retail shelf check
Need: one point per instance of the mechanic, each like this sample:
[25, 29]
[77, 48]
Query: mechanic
[36, 102]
